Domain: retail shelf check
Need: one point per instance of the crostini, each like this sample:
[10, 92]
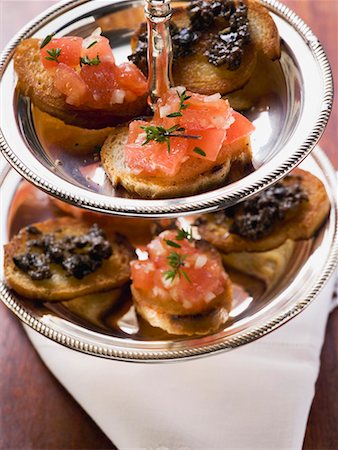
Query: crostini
[215, 44]
[64, 258]
[293, 208]
[187, 148]
[181, 287]
[266, 266]
[77, 80]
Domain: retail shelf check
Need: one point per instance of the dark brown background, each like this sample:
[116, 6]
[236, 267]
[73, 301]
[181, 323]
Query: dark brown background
[37, 413]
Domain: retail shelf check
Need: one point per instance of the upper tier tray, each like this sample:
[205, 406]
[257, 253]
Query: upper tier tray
[292, 104]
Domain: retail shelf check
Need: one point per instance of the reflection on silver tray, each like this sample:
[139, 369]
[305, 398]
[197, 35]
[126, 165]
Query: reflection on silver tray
[291, 108]
[106, 325]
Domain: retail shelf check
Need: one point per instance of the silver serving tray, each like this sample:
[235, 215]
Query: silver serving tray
[290, 113]
[254, 314]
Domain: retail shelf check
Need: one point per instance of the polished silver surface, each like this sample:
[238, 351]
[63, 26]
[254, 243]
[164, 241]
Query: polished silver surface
[253, 315]
[292, 103]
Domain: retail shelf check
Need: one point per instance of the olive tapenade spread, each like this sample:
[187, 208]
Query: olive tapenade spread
[77, 255]
[223, 48]
[255, 218]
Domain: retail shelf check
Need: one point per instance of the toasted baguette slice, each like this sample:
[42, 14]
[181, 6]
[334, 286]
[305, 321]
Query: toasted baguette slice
[93, 307]
[303, 225]
[179, 322]
[195, 175]
[198, 75]
[266, 266]
[36, 82]
[113, 273]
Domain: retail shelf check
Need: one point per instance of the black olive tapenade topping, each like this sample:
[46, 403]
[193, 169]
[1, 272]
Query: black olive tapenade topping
[36, 265]
[255, 218]
[183, 40]
[77, 255]
[31, 229]
[224, 48]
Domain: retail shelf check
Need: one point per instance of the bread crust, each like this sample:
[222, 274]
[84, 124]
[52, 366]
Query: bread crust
[113, 273]
[304, 225]
[198, 75]
[266, 266]
[174, 319]
[35, 82]
[191, 178]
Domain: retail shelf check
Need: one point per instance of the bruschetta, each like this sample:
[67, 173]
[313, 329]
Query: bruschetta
[187, 148]
[77, 80]
[64, 258]
[182, 286]
[293, 208]
[215, 44]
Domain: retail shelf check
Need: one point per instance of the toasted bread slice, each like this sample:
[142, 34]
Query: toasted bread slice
[194, 176]
[266, 266]
[93, 307]
[36, 82]
[114, 272]
[198, 75]
[303, 225]
[174, 319]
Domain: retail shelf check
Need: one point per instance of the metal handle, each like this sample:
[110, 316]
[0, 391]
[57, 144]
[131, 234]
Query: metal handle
[158, 14]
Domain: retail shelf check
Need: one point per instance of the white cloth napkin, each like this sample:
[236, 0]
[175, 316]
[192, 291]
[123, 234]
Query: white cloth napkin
[254, 397]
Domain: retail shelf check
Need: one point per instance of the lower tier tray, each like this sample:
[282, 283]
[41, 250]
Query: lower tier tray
[107, 326]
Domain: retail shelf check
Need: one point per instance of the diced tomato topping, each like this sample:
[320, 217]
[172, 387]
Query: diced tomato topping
[131, 78]
[210, 143]
[203, 114]
[130, 96]
[70, 52]
[98, 46]
[153, 158]
[240, 128]
[199, 111]
[101, 81]
[69, 82]
[208, 118]
[203, 279]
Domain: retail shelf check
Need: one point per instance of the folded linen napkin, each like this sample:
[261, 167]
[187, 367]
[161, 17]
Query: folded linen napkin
[255, 397]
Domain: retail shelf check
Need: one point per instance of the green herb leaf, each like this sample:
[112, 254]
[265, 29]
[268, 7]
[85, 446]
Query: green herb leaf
[47, 40]
[170, 275]
[175, 114]
[92, 44]
[172, 243]
[183, 97]
[89, 62]
[184, 234]
[184, 273]
[175, 128]
[199, 151]
[54, 53]
[176, 262]
[160, 134]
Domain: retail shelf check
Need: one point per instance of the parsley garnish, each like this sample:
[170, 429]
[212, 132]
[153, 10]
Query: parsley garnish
[176, 262]
[172, 243]
[161, 134]
[89, 62]
[199, 151]
[54, 53]
[182, 97]
[175, 114]
[184, 234]
[47, 40]
[92, 44]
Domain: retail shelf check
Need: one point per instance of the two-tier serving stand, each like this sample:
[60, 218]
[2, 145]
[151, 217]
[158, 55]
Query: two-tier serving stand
[290, 116]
